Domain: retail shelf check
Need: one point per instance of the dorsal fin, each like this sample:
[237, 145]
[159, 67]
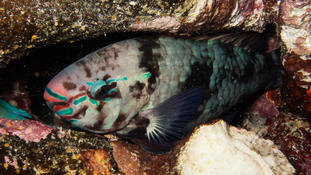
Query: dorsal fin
[251, 41]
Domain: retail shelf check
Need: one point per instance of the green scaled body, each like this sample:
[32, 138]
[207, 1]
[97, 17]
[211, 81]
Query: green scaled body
[228, 72]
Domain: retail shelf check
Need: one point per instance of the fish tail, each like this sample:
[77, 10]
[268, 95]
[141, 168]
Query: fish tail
[265, 43]
[10, 112]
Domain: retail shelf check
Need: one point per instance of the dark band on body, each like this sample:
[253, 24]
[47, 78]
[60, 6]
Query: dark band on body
[201, 75]
[69, 85]
[237, 71]
[150, 60]
[85, 67]
[108, 54]
[136, 89]
[120, 121]
[81, 112]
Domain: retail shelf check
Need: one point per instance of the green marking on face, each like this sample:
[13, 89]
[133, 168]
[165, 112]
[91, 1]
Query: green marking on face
[56, 95]
[74, 122]
[95, 102]
[115, 80]
[112, 90]
[107, 99]
[89, 83]
[79, 100]
[147, 75]
[108, 124]
[68, 111]
[111, 80]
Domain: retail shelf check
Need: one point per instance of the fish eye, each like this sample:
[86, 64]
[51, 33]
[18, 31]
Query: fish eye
[101, 92]
[99, 89]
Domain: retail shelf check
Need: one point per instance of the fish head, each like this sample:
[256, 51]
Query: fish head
[101, 92]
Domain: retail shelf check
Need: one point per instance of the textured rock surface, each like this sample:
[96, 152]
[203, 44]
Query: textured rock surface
[14, 93]
[295, 32]
[133, 160]
[27, 130]
[96, 162]
[296, 26]
[296, 91]
[291, 133]
[59, 153]
[220, 149]
[208, 16]
[30, 24]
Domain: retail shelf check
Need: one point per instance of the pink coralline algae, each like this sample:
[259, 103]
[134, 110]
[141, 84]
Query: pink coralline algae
[29, 130]
[264, 107]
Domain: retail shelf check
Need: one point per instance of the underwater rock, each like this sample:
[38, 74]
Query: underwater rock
[28, 130]
[295, 29]
[265, 157]
[14, 93]
[209, 16]
[133, 160]
[295, 32]
[291, 134]
[96, 162]
[31, 24]
[264, 106]
[296, 91]
[61, 152]
[220, 149]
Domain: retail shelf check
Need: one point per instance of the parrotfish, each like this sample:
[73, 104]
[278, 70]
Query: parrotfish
[157, 89]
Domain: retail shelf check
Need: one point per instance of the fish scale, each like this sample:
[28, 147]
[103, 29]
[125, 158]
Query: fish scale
[157, 89]
[226, 92]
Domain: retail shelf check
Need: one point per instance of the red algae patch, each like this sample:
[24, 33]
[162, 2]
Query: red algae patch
[29, 130]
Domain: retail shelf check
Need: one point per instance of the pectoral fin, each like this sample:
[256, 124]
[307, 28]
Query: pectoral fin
[168, 119]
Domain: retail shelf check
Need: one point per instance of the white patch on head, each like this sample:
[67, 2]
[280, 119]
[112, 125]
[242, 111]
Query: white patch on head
[113, 114]
[89, 119]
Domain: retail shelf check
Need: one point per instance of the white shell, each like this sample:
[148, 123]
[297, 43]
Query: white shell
[220, 149]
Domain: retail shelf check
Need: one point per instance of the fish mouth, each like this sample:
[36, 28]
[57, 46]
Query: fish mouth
[52, 96]
[63, 109]
[58, 103]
